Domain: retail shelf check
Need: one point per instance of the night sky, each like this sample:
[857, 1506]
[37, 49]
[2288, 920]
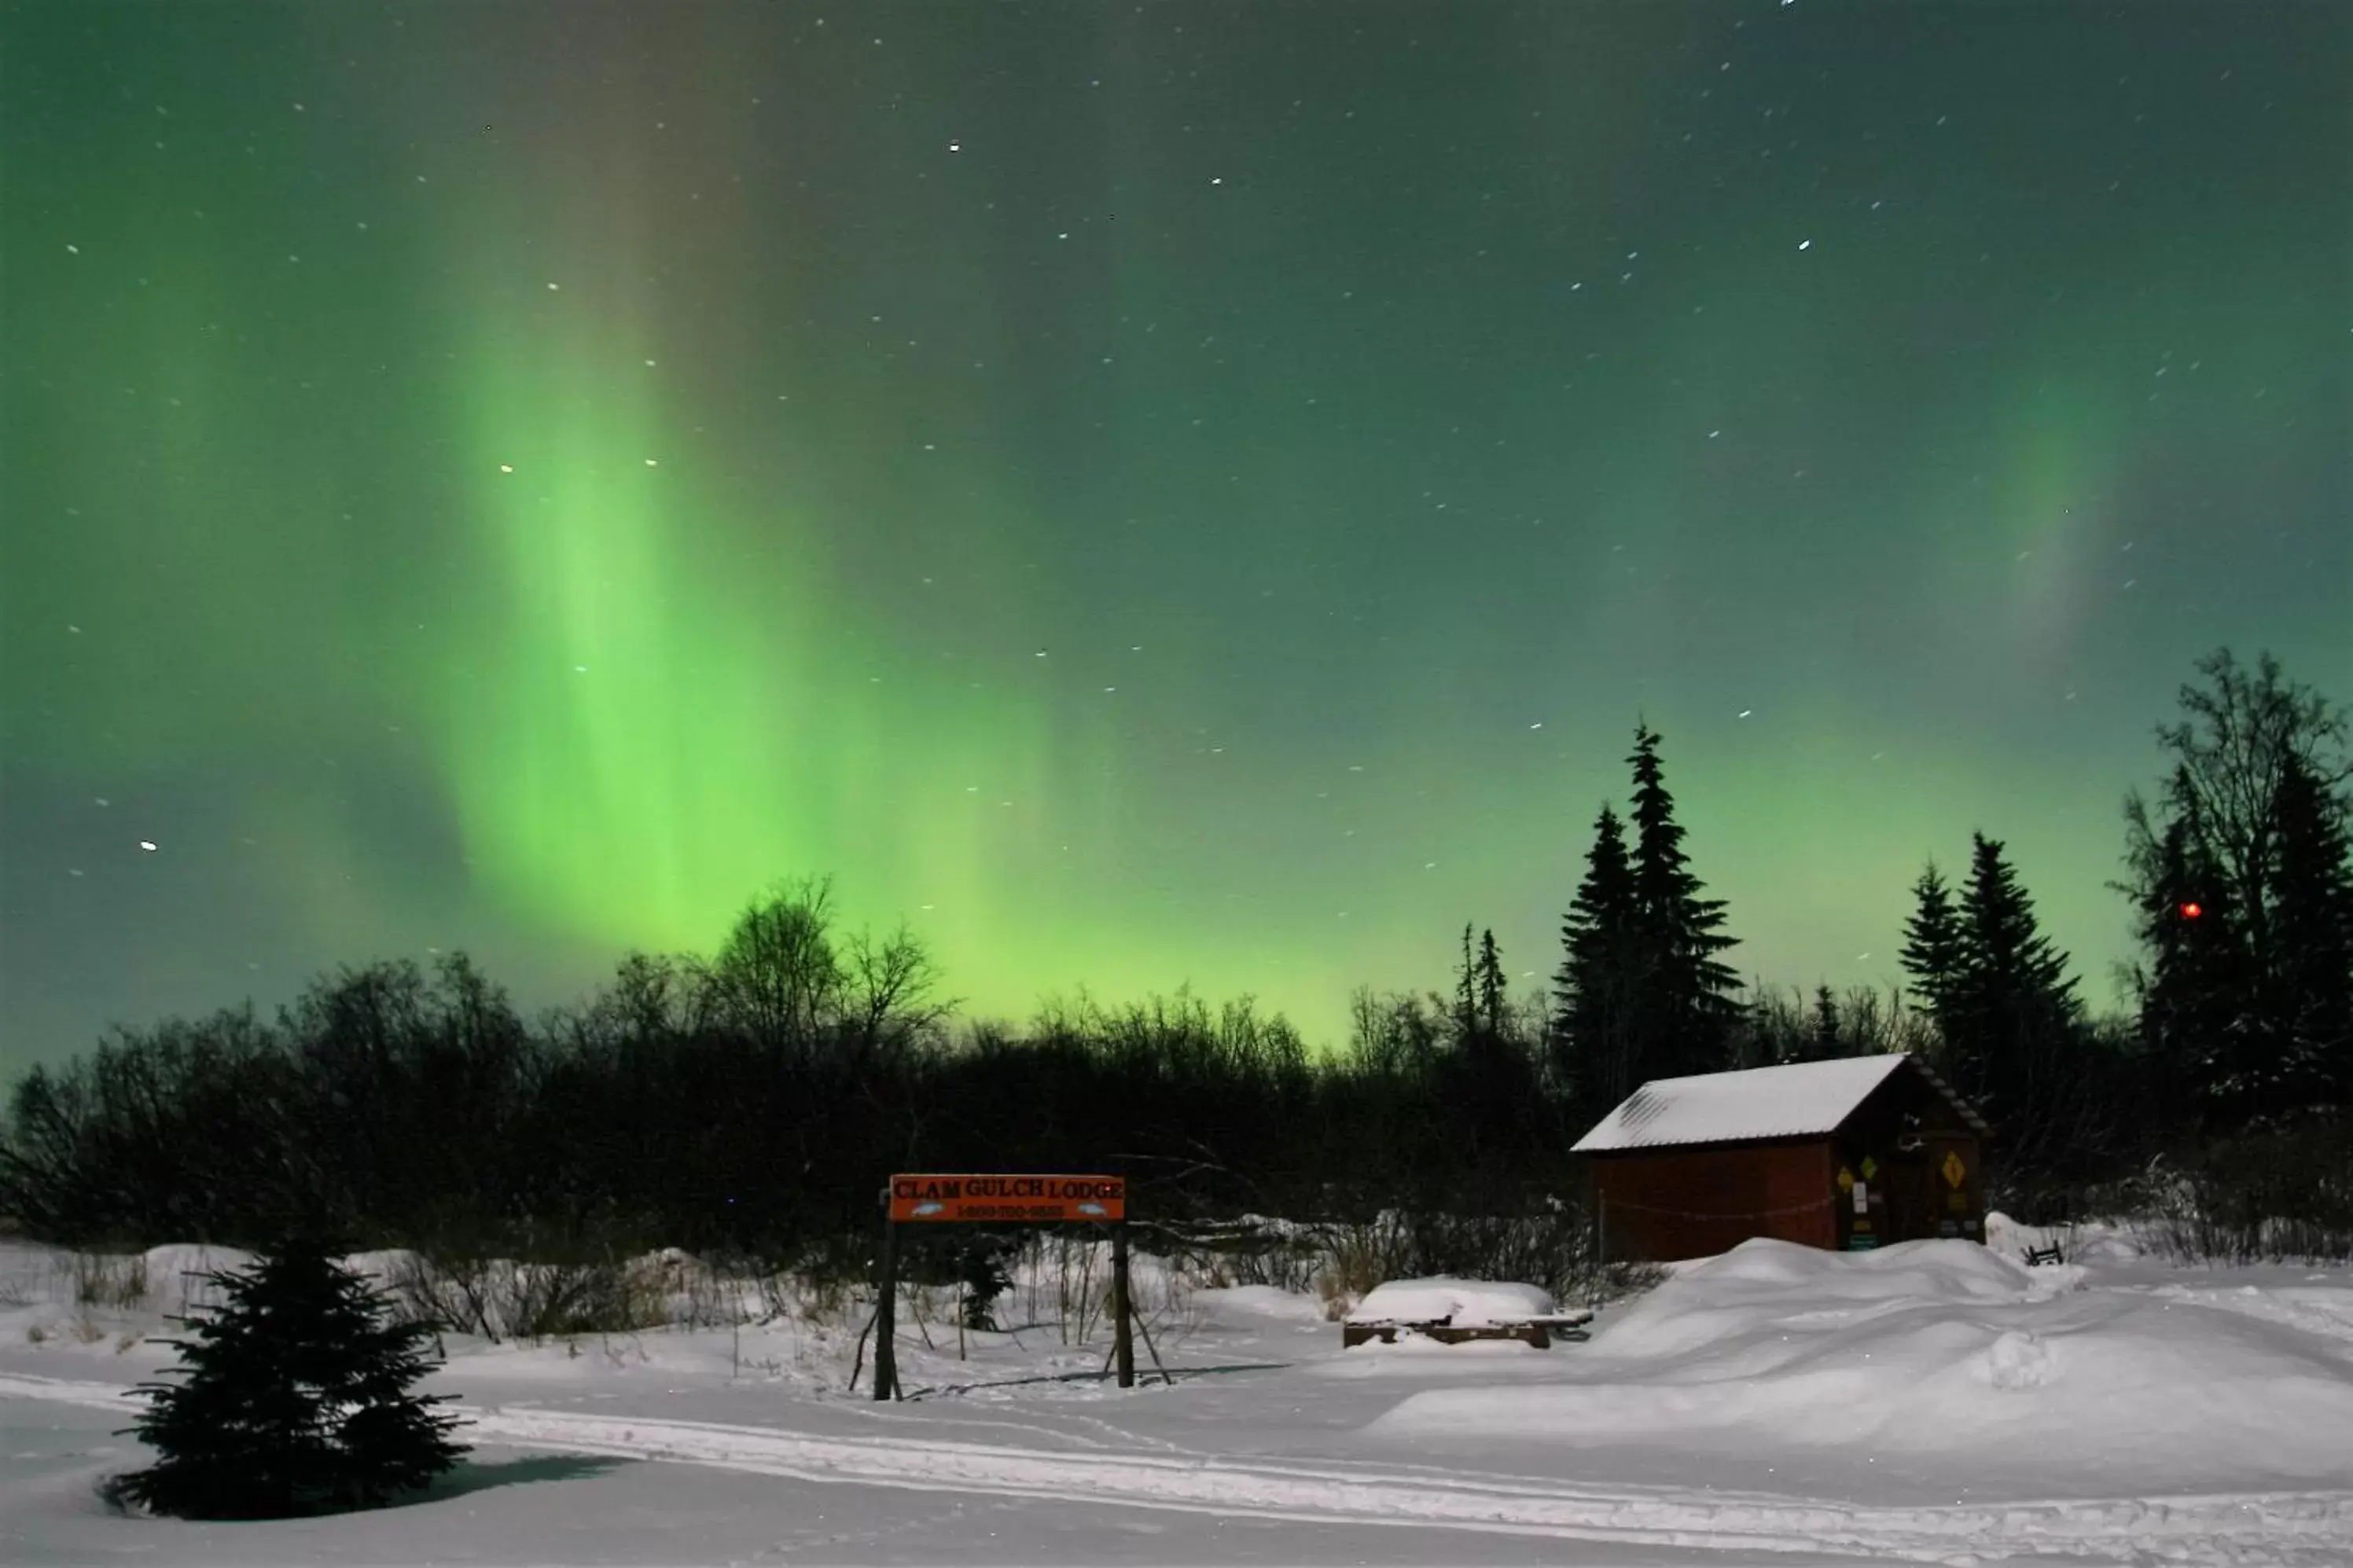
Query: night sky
[1146, 494]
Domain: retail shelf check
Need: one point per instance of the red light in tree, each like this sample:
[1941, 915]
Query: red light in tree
[2190, 911]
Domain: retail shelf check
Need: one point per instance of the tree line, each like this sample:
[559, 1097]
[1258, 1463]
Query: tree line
[749, 1103]
[2239, 1044]
[752, 1099]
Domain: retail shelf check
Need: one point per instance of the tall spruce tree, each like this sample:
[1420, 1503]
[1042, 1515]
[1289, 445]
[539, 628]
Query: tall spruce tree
[1826, 1026]
[2313, 930]
[1601, 976]
[1491, 987]
[1690, 1005]
[2192, 985]
[2013, 1007]
[1932, 953]
[1466, 990]
[2248, 1000]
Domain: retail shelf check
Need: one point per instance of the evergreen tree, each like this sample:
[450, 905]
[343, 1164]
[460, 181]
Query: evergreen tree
[1493, 990]
[1689, 1007]
[1826, 1025]
[980, 1269]
[2248, 999]
[2313, 930]
[1466, 990]
[2013, 1007]
[1931, 944]
[1600, 978]
[2192, 984]
[296, 1400]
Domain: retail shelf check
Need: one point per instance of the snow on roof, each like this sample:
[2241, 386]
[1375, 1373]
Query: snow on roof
[1733, 1107]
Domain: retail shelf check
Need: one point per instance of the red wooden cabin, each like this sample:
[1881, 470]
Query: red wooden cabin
[1850, 1154]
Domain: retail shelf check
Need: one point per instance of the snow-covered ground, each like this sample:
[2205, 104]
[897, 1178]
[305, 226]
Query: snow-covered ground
[1935, 1402]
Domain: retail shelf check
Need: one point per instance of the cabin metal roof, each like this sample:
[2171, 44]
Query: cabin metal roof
[1796, 1100]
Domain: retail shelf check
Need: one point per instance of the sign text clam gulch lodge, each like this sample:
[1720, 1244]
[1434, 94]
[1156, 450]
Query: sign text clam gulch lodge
[1026, 1198]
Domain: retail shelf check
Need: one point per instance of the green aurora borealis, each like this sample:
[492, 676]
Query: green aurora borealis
[1146, 495]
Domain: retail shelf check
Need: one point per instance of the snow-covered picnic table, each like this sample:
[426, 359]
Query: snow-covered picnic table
[1452, 1310]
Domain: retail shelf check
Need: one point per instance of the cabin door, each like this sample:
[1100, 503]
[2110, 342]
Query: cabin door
[1954, 1189]
[1911, 1203]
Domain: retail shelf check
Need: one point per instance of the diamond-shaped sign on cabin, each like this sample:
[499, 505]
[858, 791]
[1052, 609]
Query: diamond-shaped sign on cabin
[1869, 1168]
[1953, 1168]
[1845, 1179]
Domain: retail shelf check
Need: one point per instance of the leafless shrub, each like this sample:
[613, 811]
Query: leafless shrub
[823, 1299]
[117, 1281]
[759, 1290]
[1551, 1247]
[1243, 1252]
[702, 1295]
[2272, 1196]
[1360, 1256]
[502, 1298]
[1078, 1301]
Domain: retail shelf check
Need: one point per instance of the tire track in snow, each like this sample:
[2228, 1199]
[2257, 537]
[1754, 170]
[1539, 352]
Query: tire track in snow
[2284, 1528]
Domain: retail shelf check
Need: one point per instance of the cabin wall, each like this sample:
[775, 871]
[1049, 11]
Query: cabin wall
[1667, 1204]
[1907, 1144]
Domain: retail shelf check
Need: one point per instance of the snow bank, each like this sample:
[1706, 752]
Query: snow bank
[1244, 1304]
[1466, 1303]
[175, 1282]
[1716, 1298]
[1929, 1354]
[2095, 1241]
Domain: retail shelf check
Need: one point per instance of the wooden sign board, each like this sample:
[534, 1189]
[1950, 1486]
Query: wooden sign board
[1027, 1200]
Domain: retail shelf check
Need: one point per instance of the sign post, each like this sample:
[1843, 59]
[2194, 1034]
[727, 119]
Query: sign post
[886, 1316]
[1123, 1329]
[990, 1199]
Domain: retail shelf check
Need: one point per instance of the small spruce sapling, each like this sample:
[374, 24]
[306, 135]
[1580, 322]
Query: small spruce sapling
[981, 1270]
[296, 1400]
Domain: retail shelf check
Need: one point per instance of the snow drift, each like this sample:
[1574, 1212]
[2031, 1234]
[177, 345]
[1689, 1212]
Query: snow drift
[1929, 1353]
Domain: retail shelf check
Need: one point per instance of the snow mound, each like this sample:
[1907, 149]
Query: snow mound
[2093, 1241]
[175, 1275]
[1717, 1297]
[2019, 1360]
[1464, 1304]
[1927, 1354]
[2106, 1246]
[1251, 1303]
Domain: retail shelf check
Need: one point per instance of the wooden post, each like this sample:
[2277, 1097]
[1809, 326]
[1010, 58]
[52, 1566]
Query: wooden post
[1600, 1244]
[1123, 1333]
[1146, 1330]
[886, 1326]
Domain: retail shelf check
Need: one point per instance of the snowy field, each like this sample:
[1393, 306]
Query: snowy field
[1933, 1403]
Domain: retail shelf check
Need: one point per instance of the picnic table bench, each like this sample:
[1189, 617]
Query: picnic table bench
[1537, 1329]
[2036, 1257]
